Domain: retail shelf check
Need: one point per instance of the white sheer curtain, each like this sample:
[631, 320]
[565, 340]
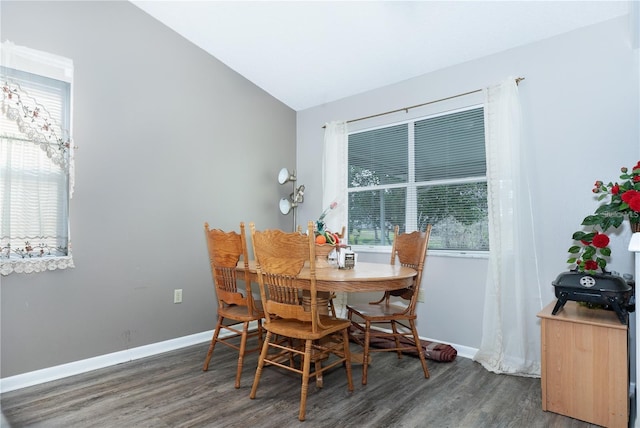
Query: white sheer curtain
[334, 182]
[511, 336]
[36, 160]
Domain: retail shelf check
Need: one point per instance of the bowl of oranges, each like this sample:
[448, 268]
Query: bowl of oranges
[326, 242]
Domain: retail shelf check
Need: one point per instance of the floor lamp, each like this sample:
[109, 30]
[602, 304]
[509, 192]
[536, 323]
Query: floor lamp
[295, 198]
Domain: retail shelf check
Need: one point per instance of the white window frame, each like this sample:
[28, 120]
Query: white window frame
[59, 68]
[470, 102]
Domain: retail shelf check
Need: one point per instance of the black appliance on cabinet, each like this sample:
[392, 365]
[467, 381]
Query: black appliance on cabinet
[605, 290]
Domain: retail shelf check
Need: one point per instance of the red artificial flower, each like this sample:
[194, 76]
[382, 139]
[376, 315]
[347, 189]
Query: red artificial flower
[624, 201]
[629, 194]
[600, 240]
[634, 203]
[590, 265]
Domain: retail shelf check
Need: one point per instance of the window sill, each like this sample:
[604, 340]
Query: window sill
[431, 253]
[459, 253]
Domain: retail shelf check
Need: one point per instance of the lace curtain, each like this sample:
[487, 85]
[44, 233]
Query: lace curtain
[37, 160]
[510, 334]
[334, 183]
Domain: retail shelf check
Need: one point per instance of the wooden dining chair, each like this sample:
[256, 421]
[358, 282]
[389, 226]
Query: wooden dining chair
[396, 310]
[237, 309]
[281, 258]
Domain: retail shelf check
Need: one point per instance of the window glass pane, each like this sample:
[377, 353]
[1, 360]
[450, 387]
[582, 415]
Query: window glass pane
[458, 213]
[450, 146]
[34, 190]
[445, 186]
[34, 195]
[374, 213]
[379, 156]
[52, 95]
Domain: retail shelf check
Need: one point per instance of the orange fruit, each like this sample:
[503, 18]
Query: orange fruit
[320, 239]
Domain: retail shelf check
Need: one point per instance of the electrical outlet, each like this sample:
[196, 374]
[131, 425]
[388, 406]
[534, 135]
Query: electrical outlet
[177, 295]
[421, 296]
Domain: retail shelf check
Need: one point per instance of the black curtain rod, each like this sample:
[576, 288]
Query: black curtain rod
[406, 109]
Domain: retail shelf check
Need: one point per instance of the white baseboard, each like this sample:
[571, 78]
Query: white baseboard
[463, 351]
[77, 367]
[58, 372]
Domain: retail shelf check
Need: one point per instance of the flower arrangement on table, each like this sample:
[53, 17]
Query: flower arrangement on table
[323, 235]
[589, 253]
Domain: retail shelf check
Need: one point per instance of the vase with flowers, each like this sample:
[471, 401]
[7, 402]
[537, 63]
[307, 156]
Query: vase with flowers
[320, 222]
[326, 240]
[621, 201]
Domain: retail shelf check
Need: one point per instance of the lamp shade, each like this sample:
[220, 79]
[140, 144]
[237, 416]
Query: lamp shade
[285, 206]
[284, 175]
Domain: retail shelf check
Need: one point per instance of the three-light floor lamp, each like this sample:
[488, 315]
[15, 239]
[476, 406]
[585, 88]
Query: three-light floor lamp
[296, 197]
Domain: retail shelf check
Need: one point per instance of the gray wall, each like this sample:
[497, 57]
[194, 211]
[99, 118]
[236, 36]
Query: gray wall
[156, 120]
[580, 104]
[168, 138]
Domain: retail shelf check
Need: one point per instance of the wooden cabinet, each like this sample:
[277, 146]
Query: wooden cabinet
[585, 365]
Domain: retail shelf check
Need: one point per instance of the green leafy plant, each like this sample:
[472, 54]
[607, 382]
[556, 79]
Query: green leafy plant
[622, 201]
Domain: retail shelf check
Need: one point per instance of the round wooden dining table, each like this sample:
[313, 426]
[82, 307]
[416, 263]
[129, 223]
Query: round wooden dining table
[363, 277]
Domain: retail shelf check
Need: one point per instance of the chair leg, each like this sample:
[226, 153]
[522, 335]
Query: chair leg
[292, 356]
[260, 334]
[214, 339]
[243, 347]
[332, 307]
[306, 368]
[318, 369]
[396, 337]
[416, 339]
[347, 356]
[365, 356]
[355, 330]
[263, 354]
[350, 318]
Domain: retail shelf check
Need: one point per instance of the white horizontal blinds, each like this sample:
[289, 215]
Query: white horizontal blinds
[379, 156]
[51, 96]
[450, 146]
[423, 171]
[377, 180]
[34, 189]
[450, 175]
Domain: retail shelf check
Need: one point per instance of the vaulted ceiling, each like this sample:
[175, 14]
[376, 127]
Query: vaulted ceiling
[306, 53]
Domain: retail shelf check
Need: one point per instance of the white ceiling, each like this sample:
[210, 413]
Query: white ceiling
[306, 53]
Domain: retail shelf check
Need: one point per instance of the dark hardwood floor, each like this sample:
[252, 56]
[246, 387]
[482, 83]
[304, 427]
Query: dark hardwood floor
[171, 390]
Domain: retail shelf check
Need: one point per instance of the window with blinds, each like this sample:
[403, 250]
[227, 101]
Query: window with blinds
[426, 171]
[34, 173]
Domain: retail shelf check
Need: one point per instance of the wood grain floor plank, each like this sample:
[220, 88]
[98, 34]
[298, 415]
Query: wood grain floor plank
[171, 390]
